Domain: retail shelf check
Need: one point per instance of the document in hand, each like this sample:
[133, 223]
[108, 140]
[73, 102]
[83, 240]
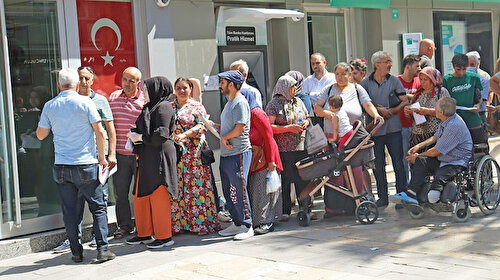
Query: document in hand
[419, 119]
[212, 129]
[105, 173]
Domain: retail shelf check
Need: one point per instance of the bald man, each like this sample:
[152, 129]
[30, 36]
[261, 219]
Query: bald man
[126, 105]
[426, 52]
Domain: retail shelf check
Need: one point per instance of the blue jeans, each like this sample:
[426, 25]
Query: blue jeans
[81, 206]
[393, 143]
[234, 176]
[74, 179]
[405, 135]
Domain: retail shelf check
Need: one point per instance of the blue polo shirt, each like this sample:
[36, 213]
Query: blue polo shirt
[453, 142]
[70, 117]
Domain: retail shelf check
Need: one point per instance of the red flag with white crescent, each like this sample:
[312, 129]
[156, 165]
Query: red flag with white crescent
[106, 36]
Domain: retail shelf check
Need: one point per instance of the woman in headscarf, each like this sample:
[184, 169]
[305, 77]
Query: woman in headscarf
[194, 209]
[296, 75]
[288, 117]
[431, 91]
[157, 171]
[265, 157]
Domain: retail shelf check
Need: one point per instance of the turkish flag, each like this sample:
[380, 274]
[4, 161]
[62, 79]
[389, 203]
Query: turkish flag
[106, 36]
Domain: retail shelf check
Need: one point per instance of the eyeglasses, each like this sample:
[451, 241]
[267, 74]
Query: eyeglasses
[386, 62]
[88, 68]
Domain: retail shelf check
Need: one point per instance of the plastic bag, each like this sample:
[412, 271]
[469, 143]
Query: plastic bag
[273, 181]
[315, 139]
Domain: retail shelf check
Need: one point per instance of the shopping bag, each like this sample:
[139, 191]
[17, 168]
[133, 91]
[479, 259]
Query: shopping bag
[315, 139]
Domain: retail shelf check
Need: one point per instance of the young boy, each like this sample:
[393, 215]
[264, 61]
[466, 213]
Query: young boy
[342, 128]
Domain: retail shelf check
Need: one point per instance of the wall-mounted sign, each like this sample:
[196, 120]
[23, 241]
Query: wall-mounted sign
[453, 40]
[240, 35]
[411, 43]
[395, 14]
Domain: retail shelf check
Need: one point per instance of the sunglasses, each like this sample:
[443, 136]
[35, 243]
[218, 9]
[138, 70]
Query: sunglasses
[88, 68]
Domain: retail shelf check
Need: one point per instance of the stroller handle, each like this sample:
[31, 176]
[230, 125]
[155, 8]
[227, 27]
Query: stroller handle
[374, 126]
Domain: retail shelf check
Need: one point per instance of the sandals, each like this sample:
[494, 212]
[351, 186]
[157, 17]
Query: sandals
[121, 233]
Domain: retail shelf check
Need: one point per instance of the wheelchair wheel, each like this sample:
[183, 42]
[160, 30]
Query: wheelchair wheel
[303, 218]
[415, 211]
[367, 212]
[487, 184]
[462, 213]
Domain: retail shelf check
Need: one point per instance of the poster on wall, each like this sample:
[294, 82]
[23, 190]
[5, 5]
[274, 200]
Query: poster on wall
[454, 40]
[106, 36]
[411, 43]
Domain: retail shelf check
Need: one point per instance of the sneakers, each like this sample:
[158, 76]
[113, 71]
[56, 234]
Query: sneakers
[402, 197]
[103, 256]
[264, 228]
[223, 217]
[93, 243]
[159, 243]
[136, 240]
[230, 230]
[77, 259]
[64, 247]
[244, 233]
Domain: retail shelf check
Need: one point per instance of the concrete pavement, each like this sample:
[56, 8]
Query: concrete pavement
[395, 247]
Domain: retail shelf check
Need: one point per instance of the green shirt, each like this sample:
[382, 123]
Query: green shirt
[102, 105]
[462, 90]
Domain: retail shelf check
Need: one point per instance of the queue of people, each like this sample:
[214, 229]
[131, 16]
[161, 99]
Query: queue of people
[156, 137]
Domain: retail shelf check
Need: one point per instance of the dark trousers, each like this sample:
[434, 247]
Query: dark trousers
[290, 175]
[393, 143]
[72, 180]
[234, 176]
[121, 181]
[425, 166]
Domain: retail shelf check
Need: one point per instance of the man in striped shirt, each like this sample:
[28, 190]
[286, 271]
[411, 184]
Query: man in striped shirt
[450, 155]
[126, 105]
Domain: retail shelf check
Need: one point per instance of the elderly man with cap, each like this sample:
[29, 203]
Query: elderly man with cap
[236, 155]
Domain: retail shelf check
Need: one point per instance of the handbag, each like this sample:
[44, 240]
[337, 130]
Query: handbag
[315, 139]
[393, 100]
[258, 159]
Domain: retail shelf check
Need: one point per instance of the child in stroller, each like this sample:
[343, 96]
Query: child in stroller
[342, 129]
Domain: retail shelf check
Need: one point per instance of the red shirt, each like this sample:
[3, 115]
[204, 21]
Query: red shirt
[125, 112]
[411, 88]
[262, 133]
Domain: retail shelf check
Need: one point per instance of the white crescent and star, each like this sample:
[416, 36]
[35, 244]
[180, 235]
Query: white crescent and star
[106, 22]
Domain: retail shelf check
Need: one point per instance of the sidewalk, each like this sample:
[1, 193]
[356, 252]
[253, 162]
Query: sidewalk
[395, 247]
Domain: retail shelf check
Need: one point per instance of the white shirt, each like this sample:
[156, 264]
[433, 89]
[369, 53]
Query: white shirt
[256, 92]
[313, 86]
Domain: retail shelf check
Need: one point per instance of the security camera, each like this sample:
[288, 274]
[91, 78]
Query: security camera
[162, 3]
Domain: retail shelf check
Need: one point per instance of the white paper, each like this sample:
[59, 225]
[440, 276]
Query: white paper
[212, 129]
[129, 146]
[419, 119]
[465, 108]
[104, 174]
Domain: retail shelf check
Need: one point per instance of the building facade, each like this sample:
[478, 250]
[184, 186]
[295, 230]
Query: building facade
[195, 38]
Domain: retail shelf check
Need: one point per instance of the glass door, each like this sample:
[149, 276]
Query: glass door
[34, 54]
[327, 36]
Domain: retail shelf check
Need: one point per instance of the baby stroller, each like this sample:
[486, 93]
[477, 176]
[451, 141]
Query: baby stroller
[331, 163]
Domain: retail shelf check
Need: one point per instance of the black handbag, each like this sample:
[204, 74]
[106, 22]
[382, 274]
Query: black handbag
[207, 156]
[393, 100]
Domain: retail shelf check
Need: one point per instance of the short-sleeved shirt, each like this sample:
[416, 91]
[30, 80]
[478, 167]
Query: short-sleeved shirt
[248, 88]
[313, 86]
[462, 90]
[453, 142]
[70, 117]
[125, 112]
[287, 142]
[410, 88]
[379, 93]
[432, 123]
[352, 105]
[102, 105]
[344, 124]
[236, 112]
[425, 61]
[485, 83]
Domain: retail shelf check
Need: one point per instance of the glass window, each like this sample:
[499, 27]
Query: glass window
[460, 33]
[327, 36]
[34, 57]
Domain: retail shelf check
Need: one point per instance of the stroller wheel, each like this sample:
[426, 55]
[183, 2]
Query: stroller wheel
[367, 212]
[303, 218]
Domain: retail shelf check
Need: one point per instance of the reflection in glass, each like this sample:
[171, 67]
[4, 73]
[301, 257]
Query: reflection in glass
[34, 55]
[327, 36]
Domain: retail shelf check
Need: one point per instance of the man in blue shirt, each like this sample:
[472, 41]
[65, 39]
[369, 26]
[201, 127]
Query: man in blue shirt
[235, 155]
[450, 155]
[73, 120]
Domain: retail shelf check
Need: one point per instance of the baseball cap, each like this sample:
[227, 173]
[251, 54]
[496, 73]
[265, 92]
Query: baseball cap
[234, 76]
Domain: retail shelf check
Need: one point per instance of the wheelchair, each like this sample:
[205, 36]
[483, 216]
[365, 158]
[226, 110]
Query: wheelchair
[475, 186]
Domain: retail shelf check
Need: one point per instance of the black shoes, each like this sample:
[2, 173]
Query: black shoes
[382, 203]
[136, 240]
[264, 228]
[77, 259]
[106, 255]
[159, 243]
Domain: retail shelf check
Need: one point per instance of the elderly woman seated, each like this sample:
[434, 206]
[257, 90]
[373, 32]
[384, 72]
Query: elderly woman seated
[450, 155]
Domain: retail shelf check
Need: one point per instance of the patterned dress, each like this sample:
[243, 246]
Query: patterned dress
[194, 209]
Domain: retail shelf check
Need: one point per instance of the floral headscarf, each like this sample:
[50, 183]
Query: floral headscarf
[298, 77]
[433, 74]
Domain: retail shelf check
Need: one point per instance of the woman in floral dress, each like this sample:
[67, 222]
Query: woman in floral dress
[194, 209]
